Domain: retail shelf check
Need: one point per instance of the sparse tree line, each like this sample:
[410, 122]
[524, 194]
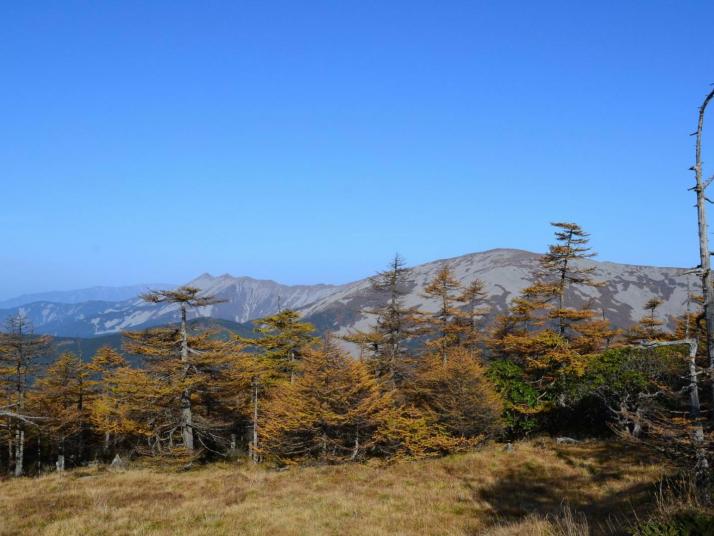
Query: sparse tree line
[418, 384]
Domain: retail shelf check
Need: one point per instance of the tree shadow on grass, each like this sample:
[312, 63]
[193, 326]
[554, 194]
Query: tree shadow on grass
[607, 461]
[545, 490]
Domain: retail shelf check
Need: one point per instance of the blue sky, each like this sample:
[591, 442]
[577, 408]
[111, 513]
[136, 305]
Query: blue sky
[308, 141]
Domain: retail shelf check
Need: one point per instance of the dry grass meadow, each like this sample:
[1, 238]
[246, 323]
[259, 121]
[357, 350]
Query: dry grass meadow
[539, 488]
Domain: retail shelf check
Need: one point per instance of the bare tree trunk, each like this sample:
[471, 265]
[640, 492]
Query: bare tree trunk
[39, 454]
[705, 262]
[694, 405]
[186, 414]
[444, 307]
[637, 425]
[184, 296]
[561, 294]
[292, 366]
[19, 450]
[355, 450]
[10, 452]
[701, 469]
[254, 442]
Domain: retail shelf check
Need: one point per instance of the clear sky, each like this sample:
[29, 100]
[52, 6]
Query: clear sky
[308, 141]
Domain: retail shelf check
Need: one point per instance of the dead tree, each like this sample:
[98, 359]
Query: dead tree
[693, 387]
[18, 418]
[704, 255]
[27, 419]
[664, 430]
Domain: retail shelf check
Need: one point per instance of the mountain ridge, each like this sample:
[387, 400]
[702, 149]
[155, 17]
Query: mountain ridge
[505, 272]
[95, 293]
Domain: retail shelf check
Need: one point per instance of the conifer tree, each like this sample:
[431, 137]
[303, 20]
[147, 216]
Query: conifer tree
[561, 268]
[457, 394]
[330, 413]
[692, 323]
[366, 341]
[395, 325]
[705, 271]
[107, 359]
[174, 345]
[103, 367]
[20, 350]
[594, 334]
[336, 410]
[131, 408]
[277, 349]
[543, 302]
[549, 339]
[63, 397]
[282, 338]
[252, 377]
[446, 327]
[257, 375]
[649, 327]
[187, 383]
[473, 302]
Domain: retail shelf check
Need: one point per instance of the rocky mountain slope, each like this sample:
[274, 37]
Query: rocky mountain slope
[621, 297]
[245, 299]
[505, 272]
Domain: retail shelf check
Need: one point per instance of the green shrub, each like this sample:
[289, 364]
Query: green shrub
[519, 397]
[682, 524]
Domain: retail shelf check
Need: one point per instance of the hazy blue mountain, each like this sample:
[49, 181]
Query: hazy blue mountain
[106, 294]
[245, 299]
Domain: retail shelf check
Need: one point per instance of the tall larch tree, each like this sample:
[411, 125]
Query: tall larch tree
[330, 413]
[174, 357]
[273, 357]
[550, 339]
[20, 350]
[474, 302]
[561, 269]
[103, 414]
[63, 397]
[457, 395]
[283, 338]
[395, 324]
[336, 410]
[543, 304]
[131, 410]
[446, 327]
[188, 399]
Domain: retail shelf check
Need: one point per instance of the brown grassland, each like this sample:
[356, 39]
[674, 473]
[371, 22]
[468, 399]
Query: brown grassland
[532, 490]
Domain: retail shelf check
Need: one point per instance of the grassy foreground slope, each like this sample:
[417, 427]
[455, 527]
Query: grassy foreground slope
[486, 492]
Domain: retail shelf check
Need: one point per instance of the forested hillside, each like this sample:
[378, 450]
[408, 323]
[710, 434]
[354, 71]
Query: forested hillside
[422, 382]
[347, 268]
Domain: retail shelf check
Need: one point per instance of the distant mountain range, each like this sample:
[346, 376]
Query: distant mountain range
[106, 294]
[87, 347]
[505, 273]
